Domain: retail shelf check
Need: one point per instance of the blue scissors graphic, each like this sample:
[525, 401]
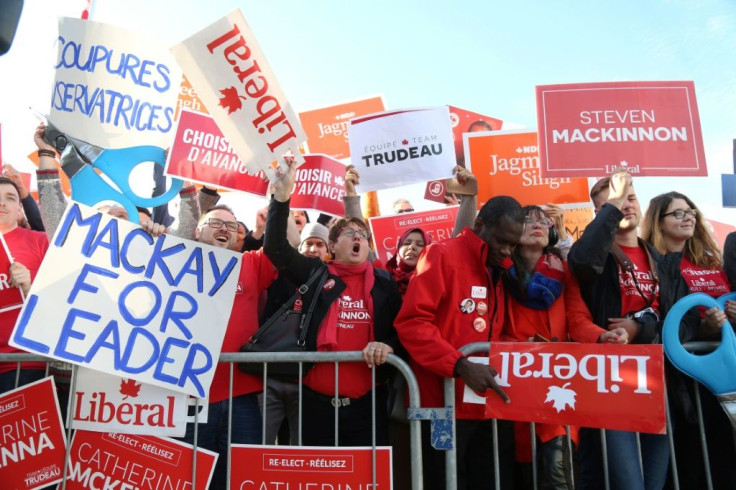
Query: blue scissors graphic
[716, 370]
[79, 160]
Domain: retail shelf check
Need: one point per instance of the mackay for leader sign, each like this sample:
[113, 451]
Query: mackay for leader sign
[122, 461]
[111, 297]
[202, 154]
[32, 442]
[609, 386]
[649, 128]
[387, 230]
[309, 467]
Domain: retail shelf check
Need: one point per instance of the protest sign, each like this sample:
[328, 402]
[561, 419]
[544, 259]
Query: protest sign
[463, 121]
[507, 163]
[310, 467]
[387, 230]
[34, 444]
[107, 403]
[125, 461]
[327, 127]
[396, 148]
[649, 128]
[227, 68]
[11, 298]
[111, 297]
[588, 385]
[188, 99]
[114, 88]
[202, 154]
[576, 220]
[320, 185]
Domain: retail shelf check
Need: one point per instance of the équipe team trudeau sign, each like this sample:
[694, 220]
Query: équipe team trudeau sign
[649, 128]
[226, 66]
[609, 386]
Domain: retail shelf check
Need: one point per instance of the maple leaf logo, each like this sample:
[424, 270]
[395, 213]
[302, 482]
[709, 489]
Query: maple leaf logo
[624, 163]
[128, 387]
[561, 397]
[230, 99]
[339, 180]
[404, 142]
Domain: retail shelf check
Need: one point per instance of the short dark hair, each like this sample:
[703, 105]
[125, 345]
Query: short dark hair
[245, 227]
[223, 207]
[599, 186]
[500, 207]
[5, 180]
[143, 210]
[342, 223]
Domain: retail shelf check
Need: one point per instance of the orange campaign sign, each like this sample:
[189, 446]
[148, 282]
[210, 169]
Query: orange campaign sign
[587, 385]
[327, 127]
[649, 128]
[507, 163]
[188, 99]
[576, 220]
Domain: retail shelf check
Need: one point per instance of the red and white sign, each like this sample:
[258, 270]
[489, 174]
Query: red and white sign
[327, 127]
[11, 298]
[201, 153]
[650, 128]
[123, 461]
[320, 185]
[33, 441]
[588, 385]
[232, 76]
[387, 230]
[463, 121]
[507, 163]
[107, 403]
[396, 148]
[310, 467]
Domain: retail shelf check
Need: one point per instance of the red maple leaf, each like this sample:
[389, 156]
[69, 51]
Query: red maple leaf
[561, 397]
[230, 99]
[404, 142]
[129, 387]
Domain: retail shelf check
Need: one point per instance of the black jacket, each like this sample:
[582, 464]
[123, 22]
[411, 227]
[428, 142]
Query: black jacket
[592, 261]
[297, 268]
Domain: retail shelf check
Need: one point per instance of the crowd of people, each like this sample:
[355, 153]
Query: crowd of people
[509, 273]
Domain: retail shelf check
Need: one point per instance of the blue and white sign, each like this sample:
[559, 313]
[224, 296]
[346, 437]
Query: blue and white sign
[110, 297]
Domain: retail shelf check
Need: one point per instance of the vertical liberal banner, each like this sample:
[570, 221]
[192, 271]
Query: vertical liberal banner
[111, 297]
[34, 443]
[396, 148]
[201, 153]
[114, 88]
[507, 163]
[649, 128]
[387, 230]
[232, 76]
[327, 127]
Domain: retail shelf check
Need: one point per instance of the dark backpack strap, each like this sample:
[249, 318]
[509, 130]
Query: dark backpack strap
[322, 272]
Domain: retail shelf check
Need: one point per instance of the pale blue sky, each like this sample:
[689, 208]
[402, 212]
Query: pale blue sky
[485, 56]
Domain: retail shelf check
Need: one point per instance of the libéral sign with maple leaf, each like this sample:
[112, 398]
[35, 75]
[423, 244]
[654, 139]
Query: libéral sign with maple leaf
[128, 387]
[587, 385]
[230, 99]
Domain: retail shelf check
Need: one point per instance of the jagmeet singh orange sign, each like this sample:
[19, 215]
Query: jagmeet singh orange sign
[507, 163]
[650, 128]
[327, 127]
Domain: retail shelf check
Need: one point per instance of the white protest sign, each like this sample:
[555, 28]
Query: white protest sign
[396, 148]
[111, 297]
[114, 88]
[107, 403]
[226, 66]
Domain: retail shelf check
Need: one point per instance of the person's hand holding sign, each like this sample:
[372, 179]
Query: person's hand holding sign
[352, 178]
[20, 277]
[283, 183]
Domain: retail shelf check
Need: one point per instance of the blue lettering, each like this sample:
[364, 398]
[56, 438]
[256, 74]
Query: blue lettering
[113, 245]
[19, 337]
[158, 256]
[190, 372]
[124, 250]
[144, 72]
[164, 71]
[220, 278]
[178, 316]
[111, 330]
[140, 118]
[68, 332]
[169, 115]
[125, 312]
[196, 258]
[80, 285]
[133, 343]
[165, 359]
[130, 64]
[75, 215]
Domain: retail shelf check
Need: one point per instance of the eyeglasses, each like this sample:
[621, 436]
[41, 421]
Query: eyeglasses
[350, 233]
[409, 210]
[217, 224]
[680, 213]
[545, 222]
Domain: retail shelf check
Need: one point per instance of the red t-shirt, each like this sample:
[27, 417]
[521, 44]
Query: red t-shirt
[631, 299]
[354, 331]
[712, 282]
[27, 247]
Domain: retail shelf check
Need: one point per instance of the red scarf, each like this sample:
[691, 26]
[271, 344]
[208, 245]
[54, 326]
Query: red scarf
[327, 335]
[401, 272]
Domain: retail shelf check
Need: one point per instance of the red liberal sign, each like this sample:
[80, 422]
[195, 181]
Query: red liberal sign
[387, 229]
[587, 385]
[310, 467]
[320, 185]
[33, 444]
[650, 128]
[201, 153]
